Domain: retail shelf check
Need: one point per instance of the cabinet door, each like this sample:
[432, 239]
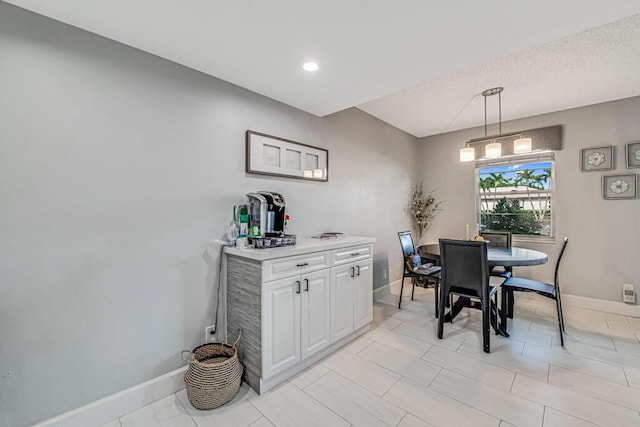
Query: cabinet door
[280, 325]
[363, 293]
[341, 301]
[314, 322]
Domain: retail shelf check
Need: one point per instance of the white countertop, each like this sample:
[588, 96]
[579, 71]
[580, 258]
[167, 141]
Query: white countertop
[304, 245]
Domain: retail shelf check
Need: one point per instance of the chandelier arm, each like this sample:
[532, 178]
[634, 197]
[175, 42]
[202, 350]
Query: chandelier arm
[500, 112]
[485, 114]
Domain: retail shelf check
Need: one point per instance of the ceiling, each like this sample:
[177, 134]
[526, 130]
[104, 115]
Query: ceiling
[419, 65]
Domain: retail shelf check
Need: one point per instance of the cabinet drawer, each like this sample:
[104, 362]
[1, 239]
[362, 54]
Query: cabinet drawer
[294, 265]
[350, 254]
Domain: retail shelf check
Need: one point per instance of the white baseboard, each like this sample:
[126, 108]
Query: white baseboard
[605, 306]
[124, 402]
[613, 307]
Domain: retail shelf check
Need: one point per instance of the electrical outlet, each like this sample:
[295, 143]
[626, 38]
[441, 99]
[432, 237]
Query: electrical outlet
[209, 333]
[628, 293]
[384, 274]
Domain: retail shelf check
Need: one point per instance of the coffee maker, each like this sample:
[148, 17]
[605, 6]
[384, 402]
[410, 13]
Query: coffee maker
[266, 214]
[275, 213]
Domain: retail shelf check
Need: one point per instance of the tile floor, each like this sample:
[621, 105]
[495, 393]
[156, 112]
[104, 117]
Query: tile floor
[400, 374]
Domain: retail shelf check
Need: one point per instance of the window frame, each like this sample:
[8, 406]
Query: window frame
[543, 156]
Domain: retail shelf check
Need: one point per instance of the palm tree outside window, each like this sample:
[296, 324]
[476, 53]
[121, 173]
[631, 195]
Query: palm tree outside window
[516, 196]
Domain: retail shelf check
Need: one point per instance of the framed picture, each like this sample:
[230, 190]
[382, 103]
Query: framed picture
[633, 155]
[274, 156]
[597, 159]
[620, 186]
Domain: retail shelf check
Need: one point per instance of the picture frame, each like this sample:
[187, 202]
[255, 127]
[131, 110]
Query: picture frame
[597, 159]
[275, 156]
[633, 155]
[621, 186]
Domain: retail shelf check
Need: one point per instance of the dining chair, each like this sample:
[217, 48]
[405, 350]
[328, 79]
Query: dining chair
[416, 270]
[516, 284]
[465, 273]
[498, 240]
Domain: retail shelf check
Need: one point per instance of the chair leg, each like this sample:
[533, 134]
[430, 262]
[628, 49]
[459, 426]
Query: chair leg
[510, 304]
[451, 307]
[494, 312]
[436, 287]
[560, 312]
[560, 321]
[441, 316]
[401, 286]
[504, 303]
[413, 287]
[486, 314]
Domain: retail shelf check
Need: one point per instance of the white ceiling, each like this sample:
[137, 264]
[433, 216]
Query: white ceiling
[419, 65]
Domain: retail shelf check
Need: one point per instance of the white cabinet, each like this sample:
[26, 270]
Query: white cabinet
[281, 323]
[297, 305]
[341, 301]
[315, 294]
[351, 297]
[295, 320]
[363, 294]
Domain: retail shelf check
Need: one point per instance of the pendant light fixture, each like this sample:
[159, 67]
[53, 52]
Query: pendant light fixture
[494, 149]
[522, 141]
[522, 145]
[467, 154]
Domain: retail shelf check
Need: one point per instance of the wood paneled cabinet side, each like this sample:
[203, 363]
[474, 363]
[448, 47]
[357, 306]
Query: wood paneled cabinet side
[244, 310]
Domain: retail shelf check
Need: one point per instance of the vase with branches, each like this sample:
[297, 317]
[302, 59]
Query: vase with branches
[422, 207]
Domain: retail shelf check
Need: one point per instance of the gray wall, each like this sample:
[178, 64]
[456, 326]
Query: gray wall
[116, 169]
[603, 234]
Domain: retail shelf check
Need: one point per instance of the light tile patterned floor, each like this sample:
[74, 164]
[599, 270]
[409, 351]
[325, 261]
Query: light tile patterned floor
[400, 374]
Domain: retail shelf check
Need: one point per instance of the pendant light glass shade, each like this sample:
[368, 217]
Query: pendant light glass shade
[467, 154]
[522, 145]
[493, 150]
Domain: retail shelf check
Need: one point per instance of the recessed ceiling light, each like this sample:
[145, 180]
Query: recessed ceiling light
[310, 66]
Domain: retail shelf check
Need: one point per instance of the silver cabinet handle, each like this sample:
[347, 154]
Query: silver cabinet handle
[297, 286]
[358, 267]
[353, 272]
[306, 285]
[303, 264]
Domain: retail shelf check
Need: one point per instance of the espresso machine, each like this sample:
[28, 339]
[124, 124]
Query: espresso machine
[266, 219]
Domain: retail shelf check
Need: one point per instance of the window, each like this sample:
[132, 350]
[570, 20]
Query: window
[516, 195]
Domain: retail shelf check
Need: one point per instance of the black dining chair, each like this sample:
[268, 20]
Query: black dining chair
[416, 271]
[465, 273]
[516, 284]
[498, 240]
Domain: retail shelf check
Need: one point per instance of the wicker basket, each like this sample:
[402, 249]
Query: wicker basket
[214, 375]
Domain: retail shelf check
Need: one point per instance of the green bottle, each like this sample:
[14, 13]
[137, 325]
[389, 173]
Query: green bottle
[243, 220]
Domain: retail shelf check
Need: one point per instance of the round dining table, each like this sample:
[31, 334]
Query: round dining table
[506, 257]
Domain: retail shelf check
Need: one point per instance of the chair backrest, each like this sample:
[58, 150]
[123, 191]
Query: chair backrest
[464, 266]
[556, 282]
[497, 239]
[408, 248]
[406, 241]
